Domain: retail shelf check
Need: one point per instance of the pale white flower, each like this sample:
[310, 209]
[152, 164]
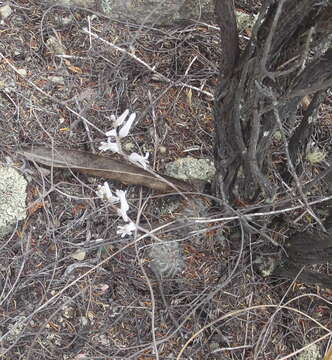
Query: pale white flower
[119, 121]
[114, 133]
[138, 159]
[124, 207]
[127, 229]
[113, 146]
[104, 192]
[111, 133]
[124, 131]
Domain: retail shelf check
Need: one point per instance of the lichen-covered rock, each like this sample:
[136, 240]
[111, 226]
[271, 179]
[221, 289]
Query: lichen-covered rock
[190, 168]
[12, 199]
[311, 353]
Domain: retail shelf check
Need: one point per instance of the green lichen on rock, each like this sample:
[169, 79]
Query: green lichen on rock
[12, 199]
[311, 353]
[191, 168]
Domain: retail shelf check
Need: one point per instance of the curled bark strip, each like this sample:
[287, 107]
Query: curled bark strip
[106, 167]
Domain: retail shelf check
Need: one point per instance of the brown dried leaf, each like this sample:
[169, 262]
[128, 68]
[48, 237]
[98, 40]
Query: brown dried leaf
[106, 167]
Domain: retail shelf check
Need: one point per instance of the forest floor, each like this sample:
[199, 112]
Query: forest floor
[71, 287]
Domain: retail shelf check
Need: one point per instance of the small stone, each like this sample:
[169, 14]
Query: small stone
[191, 168]
[12, 199]
[5, 11]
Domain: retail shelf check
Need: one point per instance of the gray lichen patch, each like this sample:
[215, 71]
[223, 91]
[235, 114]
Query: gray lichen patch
[191, 168]
[311, 353]
[12, 199]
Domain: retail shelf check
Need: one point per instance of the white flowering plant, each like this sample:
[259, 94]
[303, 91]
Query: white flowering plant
[104, 192]
[121, 129]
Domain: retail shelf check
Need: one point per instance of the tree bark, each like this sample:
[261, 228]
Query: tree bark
[259, 95]
[288, 57]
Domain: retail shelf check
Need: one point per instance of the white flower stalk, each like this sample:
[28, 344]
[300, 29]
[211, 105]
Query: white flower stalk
[124, 207]
[126, 229]
[124, 131]
[109, 145]
[104, 192]
[111, 133]
[140, 160]
[119, 121]
[113, 144]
